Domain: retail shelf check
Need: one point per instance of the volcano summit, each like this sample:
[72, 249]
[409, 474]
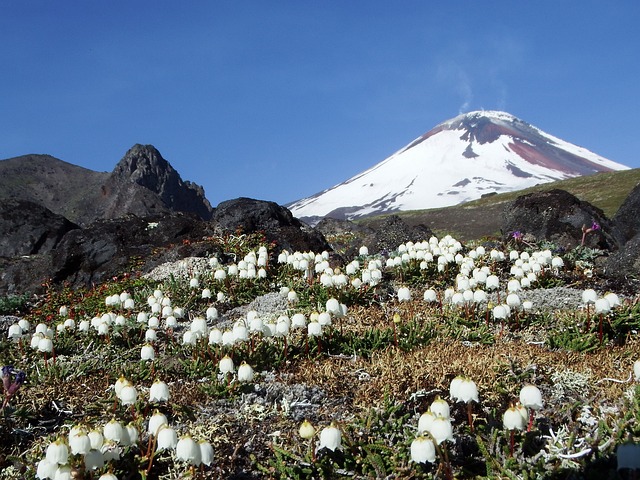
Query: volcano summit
[462, 159]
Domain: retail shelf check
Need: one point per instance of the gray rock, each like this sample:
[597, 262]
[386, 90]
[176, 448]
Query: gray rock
[559, 217]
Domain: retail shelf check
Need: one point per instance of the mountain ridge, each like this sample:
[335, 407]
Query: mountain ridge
[142, 183]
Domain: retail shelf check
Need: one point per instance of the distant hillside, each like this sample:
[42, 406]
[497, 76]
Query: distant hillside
[63, 188]
[483, 217]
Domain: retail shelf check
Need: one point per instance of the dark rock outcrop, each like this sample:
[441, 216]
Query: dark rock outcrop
[390, 231]
[627, 218]
[27, 228]
[108, 248]
[143, 183]
[248, 215]
[625, 263]
[559, 217]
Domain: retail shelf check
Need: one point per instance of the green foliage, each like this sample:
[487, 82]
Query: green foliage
[13, 304]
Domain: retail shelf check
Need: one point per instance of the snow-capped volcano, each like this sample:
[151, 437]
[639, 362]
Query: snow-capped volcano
[459, 160]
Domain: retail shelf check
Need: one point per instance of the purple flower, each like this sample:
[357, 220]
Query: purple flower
[20, 379]
[517, 235]
[595, 226]
[6, 376]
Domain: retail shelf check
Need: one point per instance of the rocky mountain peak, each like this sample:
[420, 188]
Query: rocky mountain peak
[143, 165]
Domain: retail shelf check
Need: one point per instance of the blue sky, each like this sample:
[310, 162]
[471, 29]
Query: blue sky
[278, 100]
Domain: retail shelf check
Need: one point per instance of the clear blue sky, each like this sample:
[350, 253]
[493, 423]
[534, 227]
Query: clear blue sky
[278, 100]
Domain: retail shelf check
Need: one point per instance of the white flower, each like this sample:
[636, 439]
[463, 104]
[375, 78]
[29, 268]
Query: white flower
[130, 435]
[147, 352]
[440, 407]
[314, 329]
[57, 452]
[463, 389]
[441, 430]
[156, 421]
[15, 332]
[423, 450]
[306, 430]
[63, 472]
[636, 370]
[46, 469]
[113, 431]
[108, 476]
[96, 439]
[512, 419]
[245, 372]
[188, 451]
[589, 296]
[425, 421]
[167, 438]
[93, 459]
[206, 453]
[613, 299]
[602, 306]
[79, 442]
[430, 295]
[331, 438]
[128, 394]
[531, 397]
[226, 365]
[159, 392]
[404, 294]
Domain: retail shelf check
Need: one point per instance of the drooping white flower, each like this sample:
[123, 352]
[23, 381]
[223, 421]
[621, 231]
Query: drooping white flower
[531, 397]
[331, 438]
[93, 459]
[167, 438]
[206, 453]
[147, 352]
[404, 294]
[425, 421]
[306, 430]
[441, 429]
[589, 296]
[226, 365]
[245, 372]
[440, 407]
[159, 392]
[156, 421]
[187, 450]
[423, 450]
[463, 389]
[113, 431]
[128, 394]
[602, 306]
[57, 452]
[512, 419]
[79, 442]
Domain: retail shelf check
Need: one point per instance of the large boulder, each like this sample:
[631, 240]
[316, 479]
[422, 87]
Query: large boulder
[27, 228]
[248, 215]
[627, 218]
[559, 217]
[625, 263]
